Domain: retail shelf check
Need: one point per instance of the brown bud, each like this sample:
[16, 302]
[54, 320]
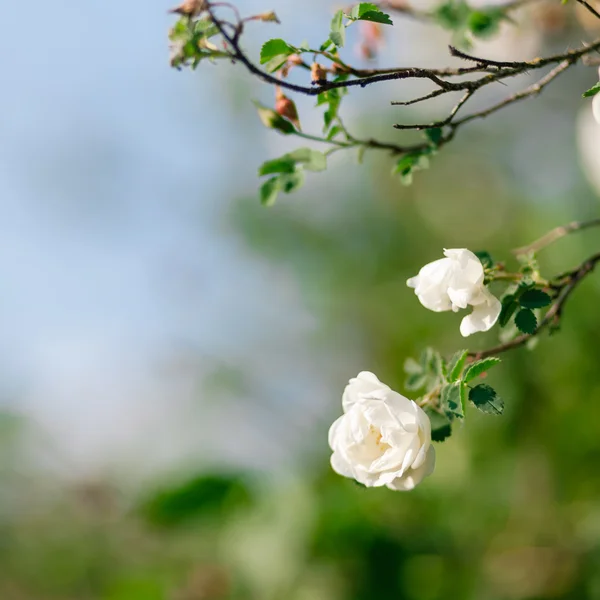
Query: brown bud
[286, 108]
[317, 73]
[268, 17]
[190, 8]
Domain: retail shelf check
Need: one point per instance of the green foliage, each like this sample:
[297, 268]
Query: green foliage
[426, 373]
[337, 34]
[411, 162]
[534, 298]
[275, 53]
[332, 99]
[367, 11]
[526, 321]
[273, 120]
[289, 171]
[460, 18]
[485, 398]
[441, 428]
[592, 91]
[450, 400]
[203, 496]
[434, 135]
[486, 258]
[456, 365]
[479, 367]
[510, 305]
[191, 42]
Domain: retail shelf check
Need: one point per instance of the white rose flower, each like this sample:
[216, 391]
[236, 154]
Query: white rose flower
[456, 282]
[596, 107]
[382, 438]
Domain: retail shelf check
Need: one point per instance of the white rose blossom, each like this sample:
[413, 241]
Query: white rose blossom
[456, 282]
[382, 438]
[596, 108]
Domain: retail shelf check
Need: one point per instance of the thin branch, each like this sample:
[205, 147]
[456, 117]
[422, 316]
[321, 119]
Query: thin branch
[589, 7]
[554, 235]
[554, 314]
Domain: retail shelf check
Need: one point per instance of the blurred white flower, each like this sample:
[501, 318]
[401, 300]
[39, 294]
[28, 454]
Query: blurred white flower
[382, 438]
[596, 108]
[456, 282]
[588, 140]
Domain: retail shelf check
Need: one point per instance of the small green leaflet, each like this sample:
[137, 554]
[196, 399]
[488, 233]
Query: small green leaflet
[486, 400]
[273, 120]
[534, 299]
[456, 365]
[526, 321]
[478, 368]
[269, 191]
[440, 426]
[592, 91]
[338, 30]
[509, 307]
[366, 11]
[284, 182]
[274, 54]
[451, 401]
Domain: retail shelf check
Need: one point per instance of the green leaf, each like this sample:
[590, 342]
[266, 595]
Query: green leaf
[269, 191]
[485, 258]
[273, 120]
[509, 307]
[486, 400]
[285, 164]
[441, 428]
[207, 495]
[526, 321]
[415, 381]
[411, 366]
[456, 365]
[452, 14]
[367, 11]
[313, 160]
[451, 401]
[274, 48]
[592, 91]
[477, 368]
[291, 181]
[434, 135]
[485, 23]
[338, 31]
[535, 299]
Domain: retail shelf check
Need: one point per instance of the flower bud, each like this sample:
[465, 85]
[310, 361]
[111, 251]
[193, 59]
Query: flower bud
[286, 108]
[268, 17]
[190, 8]
[317, 73]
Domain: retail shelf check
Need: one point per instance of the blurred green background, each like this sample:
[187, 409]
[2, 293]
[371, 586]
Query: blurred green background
[227, 492]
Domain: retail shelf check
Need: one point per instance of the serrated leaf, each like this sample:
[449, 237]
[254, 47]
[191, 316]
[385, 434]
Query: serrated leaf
[273, 120]
[451, 402]
[484, 397]
[478, 368]
[441, 428]
[415, 381]
[509, 307]
[592, 91]
[269, 191]
[367, 11]
[411, 366]
[535, 299]
[456, 364]
[526, 321]
[273, 48]
[338, 31]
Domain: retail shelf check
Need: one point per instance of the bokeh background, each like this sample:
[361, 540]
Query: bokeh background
[172, 353]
